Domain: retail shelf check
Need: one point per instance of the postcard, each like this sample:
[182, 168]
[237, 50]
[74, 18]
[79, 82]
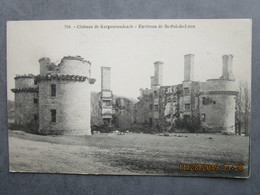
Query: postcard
[130, 97]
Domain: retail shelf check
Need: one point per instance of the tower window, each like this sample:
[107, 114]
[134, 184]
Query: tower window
[107, 103]
[203, 101]
[53, 115]
[53, 90]
[187, 106]
[186, 91]
[151, 121]
[35, 100]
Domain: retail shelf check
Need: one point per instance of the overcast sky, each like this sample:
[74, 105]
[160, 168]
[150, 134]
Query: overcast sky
[131, 52]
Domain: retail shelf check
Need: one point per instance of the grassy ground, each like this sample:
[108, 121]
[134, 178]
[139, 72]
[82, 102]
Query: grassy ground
[127, 154]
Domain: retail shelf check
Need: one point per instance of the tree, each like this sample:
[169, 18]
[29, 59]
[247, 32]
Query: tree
[243, 109]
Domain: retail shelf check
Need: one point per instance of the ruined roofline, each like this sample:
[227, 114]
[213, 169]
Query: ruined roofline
[106, 67]
[24, 76]
[190, 54]
[158, 62]
[44, 59]
[64, 77]
[227, 55]
[163, 86]
[28, 89]
[221, 78]
[109, 90]
[79, 58]
[203, 92]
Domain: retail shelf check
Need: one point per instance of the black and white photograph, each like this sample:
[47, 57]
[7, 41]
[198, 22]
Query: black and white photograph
[130, 97]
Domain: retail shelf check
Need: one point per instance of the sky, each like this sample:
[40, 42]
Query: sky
[131, 52]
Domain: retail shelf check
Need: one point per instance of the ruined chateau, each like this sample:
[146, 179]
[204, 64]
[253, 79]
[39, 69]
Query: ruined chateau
[59, 100]
[203, 106]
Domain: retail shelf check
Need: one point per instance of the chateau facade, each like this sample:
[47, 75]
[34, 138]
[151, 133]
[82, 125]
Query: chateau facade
[58, 100]
[199, 106]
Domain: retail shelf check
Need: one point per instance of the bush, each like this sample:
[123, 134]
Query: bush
[102, 128]
[190, 124]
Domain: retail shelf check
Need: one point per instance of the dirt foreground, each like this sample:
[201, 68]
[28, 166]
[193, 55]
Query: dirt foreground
[129, 154]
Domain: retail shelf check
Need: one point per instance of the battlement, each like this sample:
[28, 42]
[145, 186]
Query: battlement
[75, 65]
[219, 85]
[29, 89]
[64, 77]
[29, 76]
[24, 81]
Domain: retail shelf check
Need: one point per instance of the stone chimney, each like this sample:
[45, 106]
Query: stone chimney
[106, 78]
[189, 67]
[158, 73]
[152, 82]
[227, 67]
[44, 63]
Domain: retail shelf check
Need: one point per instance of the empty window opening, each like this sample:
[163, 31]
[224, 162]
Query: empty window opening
[53, 115]
[186, 91]
[203, 101]
[107, 103]
[53, 90]
[187, 106]
[203, 117]
[151, 121]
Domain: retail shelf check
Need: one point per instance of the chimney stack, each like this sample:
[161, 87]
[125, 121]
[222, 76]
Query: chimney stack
[152, 82]
[158, 73]
[44, 63]
[189, 67]
[227, 67]
[106, 78]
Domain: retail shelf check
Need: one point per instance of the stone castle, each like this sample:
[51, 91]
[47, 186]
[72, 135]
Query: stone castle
[58, 100]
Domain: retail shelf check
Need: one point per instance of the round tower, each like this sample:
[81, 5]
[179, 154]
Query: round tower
[26, 102]
[64, 98]
[44, 65]
[218, 100]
